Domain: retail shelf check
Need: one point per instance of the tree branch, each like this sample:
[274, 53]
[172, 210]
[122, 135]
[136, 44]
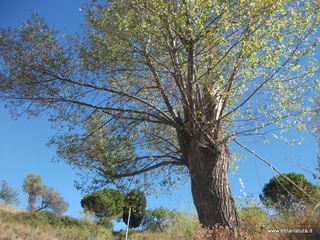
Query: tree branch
[164, 163]
[274, 168]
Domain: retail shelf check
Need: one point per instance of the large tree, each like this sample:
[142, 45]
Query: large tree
[163, 86]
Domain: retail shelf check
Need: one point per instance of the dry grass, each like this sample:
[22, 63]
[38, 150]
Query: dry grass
[283, 227]
[20, 231]
[5, 208]
[185, 227]
[147, 236]
[11, 228]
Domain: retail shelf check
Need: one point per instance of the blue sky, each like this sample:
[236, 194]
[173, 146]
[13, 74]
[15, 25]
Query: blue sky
[23, 148]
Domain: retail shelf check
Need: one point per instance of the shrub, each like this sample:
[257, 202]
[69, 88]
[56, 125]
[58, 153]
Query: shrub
[45, 218]
[254, 220]
[157, 219]
[183, 226]
[15, 224]
[122, 234]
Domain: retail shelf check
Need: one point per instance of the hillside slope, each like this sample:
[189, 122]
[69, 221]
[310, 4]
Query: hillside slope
[20, 225]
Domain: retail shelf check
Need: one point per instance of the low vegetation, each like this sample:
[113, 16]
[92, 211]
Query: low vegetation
[292, 215]
[18, 224]
[21, 225]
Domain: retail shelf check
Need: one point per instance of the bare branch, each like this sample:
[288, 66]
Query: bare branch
[274, 168]
[164, 163]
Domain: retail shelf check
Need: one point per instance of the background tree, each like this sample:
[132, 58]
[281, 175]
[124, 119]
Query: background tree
[104, 204]
[47, 196]
[157, 219]
[136, 200]
[51, 199]
[7, 194]
[281, 194]
[160, 88]
[33, 186]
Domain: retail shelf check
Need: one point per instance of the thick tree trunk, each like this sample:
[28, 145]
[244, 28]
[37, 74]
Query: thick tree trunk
[209, 183]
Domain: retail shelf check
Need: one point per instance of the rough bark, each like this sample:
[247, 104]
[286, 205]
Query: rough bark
[208, 166]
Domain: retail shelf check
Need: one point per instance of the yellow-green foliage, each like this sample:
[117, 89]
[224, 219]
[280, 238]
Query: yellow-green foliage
[148, 235]
[15, 224]
[253, 219]
[255, 225]
[122, 234]
[184, 226]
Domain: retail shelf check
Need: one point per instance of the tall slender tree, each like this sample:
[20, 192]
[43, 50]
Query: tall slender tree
[33, 186]
[163, 86]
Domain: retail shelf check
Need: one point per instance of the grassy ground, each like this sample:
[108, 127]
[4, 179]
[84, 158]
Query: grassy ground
[20, 225]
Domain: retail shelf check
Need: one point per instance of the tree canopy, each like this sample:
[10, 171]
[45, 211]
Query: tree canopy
[8, 194]
[135, 203]
[281, 193]
[104, 203]
[51, 199]
[248, 70]
[159, 88]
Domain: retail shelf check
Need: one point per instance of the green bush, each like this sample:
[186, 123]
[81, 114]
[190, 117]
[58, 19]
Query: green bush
[184, 226]
[45, 218]
[157, 219]
[122, 234]
[49, 225]
[105, 222]
[253, 214]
